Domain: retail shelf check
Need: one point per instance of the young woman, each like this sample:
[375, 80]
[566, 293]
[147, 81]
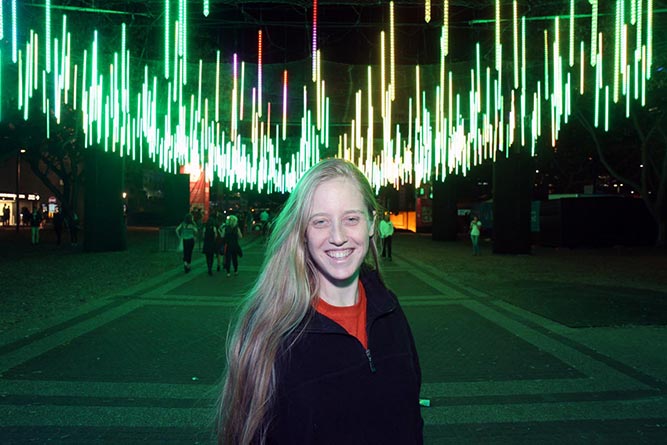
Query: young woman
[231, 234]
[322, 353]
[475, 231]
[186, 231]
[209, 247]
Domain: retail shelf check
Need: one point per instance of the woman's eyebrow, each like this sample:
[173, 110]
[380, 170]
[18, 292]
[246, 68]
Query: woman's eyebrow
[346, 212]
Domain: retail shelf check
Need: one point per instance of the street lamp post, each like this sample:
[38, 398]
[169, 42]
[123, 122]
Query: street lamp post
[18, 184]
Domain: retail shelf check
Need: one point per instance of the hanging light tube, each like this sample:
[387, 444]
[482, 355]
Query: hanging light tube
[497, 37]
[314, 41]
[571, 58]
[515, 41]
[649, 38]
[259, 73]
[594, 31]
[284, 104]
[14, 36]
[392, 52]
[47, 17]
[167, 25]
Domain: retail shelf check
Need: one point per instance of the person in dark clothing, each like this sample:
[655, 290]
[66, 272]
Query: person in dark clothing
[231, 234]
[209, 248]
[58, 223]
[73, 224]
[187, 233]
[35, 224]
[322, 353]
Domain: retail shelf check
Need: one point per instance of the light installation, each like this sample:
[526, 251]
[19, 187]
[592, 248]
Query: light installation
[465, 118]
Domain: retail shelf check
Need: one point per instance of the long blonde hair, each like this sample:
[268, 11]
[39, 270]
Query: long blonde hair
[279, 302]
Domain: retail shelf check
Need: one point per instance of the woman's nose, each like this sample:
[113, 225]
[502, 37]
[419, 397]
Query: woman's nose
[337, 235]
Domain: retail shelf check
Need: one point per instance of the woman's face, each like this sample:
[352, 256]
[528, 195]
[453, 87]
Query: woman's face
[339, 229]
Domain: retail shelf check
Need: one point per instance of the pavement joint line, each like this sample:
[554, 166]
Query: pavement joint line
[448, 282]
[183, 278]
[76, 400]
[509, 388]
[55, 388]
[429, 300]
[547, 323]
[42, 345]
[168, 298]
[19, 338]
[105, 416]
[113, 416]
[203, 302]
[654, 408]
[208, 399]
[545, 397]
[591, 366]
[593, 354]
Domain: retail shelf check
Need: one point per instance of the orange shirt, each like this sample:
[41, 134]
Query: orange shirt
[351, 318]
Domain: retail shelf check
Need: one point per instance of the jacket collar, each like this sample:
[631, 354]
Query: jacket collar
[379, 301]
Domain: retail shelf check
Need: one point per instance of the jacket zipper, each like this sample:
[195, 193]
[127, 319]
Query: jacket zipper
[370, 360]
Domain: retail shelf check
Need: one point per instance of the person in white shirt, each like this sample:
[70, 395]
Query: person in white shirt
[475, 230]
[386, 234]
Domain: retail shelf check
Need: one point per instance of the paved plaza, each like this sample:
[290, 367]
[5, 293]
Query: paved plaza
[500, 366]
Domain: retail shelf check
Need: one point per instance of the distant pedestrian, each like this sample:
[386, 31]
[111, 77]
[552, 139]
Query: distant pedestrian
[198, 219]
[264, 219]
[231, 235]
[35, 224]
[386, 234]
[210, 247]
[58, 223]
[5, 215]
[187, 231]
[73, 226]
[475, 231]
[25, 216]
[219, 242]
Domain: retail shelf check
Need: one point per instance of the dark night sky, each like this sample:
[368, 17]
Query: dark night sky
[348, 31]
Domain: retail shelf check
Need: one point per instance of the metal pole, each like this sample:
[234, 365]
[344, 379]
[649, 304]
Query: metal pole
[18, 181]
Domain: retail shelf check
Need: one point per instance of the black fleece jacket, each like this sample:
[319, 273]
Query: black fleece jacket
[330, 390]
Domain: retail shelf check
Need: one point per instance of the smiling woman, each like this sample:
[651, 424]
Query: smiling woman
[322, 353]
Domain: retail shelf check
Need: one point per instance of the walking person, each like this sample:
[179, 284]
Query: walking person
[210, 237]
[322, 352]
[386, 235]
[35, 224]
[231, 235]
[58, 223]
[219, 242]
[73, 225]
[264, 218]
[475, 231]
[187, 231]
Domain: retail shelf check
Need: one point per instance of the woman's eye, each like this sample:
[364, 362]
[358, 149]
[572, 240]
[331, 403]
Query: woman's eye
[319, 222]
[352, 220]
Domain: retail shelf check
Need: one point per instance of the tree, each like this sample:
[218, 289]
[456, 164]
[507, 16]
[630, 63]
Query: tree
[634, 151]
[56, 160]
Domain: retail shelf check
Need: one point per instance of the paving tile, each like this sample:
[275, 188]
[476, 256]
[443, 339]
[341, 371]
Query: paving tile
[588, 305]
[154, 343]
[456, 344]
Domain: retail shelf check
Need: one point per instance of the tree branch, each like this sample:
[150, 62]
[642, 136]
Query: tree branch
[589, 128]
